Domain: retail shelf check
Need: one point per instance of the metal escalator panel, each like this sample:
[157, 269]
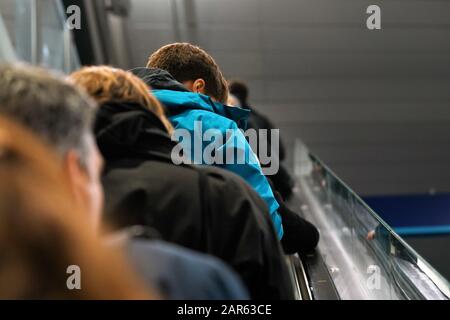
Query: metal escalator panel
[6, 49]
[364, 257]
[37, 32]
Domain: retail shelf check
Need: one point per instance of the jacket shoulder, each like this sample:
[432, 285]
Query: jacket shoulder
[209, 119]
[231, 186]
[196, 276]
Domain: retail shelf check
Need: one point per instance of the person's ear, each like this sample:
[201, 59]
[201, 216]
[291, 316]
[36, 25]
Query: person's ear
[199, 86]
[75, 172]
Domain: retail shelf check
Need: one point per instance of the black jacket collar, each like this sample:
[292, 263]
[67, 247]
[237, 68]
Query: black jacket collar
[158, 79]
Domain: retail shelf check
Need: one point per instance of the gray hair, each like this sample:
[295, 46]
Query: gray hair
[47, 104]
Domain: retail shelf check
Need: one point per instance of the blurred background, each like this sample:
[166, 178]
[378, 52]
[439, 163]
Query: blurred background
[374, 105]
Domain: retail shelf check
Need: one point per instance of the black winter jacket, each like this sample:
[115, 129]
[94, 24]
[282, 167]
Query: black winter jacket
[202, 208]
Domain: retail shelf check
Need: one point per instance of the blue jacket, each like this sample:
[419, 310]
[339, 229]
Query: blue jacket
[182, 274]
[197, 113]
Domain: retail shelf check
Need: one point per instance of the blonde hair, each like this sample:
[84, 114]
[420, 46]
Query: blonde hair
[43, 231]
[104, 83]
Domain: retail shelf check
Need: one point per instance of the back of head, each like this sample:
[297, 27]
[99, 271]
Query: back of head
[186, 62]
[48, 105]
[43, 232]
[106, 84]
[240, 90]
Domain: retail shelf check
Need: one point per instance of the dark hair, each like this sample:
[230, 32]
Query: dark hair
[185, 62]
[240, 90]
[47, 104]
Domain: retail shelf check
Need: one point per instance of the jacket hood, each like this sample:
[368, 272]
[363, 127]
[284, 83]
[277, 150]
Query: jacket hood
[158, 79]
[128, 129]
[178, 99]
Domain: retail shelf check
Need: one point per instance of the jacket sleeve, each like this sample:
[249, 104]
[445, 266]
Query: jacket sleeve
[246, 164]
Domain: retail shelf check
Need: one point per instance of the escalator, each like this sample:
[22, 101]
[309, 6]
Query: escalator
[359, 256]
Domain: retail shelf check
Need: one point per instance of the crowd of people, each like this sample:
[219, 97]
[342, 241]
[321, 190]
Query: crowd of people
[88, 179]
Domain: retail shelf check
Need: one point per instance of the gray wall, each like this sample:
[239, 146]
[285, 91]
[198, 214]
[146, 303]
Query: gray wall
[375, 105]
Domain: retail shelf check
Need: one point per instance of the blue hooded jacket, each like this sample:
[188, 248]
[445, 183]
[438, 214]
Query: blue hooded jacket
[197, 114]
